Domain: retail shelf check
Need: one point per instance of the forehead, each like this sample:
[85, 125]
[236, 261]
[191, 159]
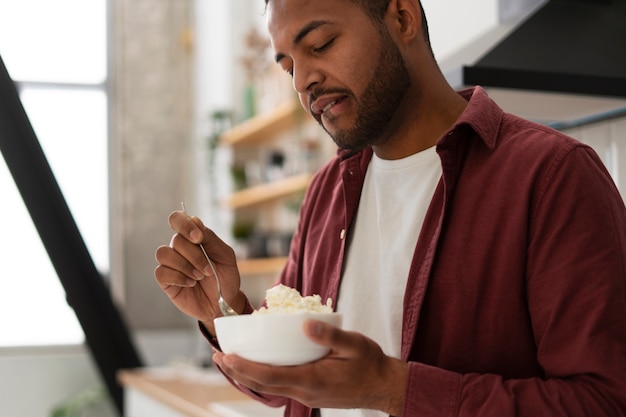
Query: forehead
[285, 18]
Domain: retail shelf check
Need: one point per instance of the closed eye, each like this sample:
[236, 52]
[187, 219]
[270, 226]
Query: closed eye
[324, 47]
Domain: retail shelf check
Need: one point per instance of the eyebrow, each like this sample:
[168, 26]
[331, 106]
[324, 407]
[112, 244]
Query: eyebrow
[311, 26]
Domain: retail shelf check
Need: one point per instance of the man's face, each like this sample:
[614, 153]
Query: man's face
[348, 72]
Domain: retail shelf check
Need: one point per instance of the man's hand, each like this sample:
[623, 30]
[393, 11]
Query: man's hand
[355, 374]
[185, 275]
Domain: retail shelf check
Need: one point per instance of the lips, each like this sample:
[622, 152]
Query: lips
[322, 104]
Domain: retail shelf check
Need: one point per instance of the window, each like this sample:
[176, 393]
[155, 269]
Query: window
[57, 53]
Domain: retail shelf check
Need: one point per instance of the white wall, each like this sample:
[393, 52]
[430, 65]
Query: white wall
[453, 23]
[34, 381]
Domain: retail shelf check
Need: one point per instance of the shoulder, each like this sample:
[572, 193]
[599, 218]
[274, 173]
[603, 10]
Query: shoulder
[495, 127]
[535, 141]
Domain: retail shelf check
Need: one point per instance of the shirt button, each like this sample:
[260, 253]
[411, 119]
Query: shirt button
[342, 234]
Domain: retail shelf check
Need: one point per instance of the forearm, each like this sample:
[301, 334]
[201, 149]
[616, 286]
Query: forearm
[434, 391]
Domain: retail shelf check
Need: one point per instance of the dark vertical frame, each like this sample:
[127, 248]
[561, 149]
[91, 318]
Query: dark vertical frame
[106, 333]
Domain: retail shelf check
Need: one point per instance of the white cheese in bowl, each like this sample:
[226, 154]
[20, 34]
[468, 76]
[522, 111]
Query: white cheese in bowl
[283, 299]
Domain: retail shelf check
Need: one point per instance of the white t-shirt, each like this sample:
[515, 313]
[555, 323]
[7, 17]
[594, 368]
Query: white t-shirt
[394, 200]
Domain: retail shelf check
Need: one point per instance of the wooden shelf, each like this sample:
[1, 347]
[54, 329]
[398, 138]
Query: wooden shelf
[261, 266]
[252, 133]
[265, 126]
[267, 192]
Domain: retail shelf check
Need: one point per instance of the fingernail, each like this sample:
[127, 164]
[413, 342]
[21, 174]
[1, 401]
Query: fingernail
[195, 236]
[198, 274]
[190, 282]
[216, 358]
[315, 328]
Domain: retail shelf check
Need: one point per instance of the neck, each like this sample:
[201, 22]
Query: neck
[421, 120]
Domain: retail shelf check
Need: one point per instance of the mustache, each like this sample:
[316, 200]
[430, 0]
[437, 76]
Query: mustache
[318, 92]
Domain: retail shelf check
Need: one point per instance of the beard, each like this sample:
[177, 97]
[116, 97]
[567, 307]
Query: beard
[379, 101]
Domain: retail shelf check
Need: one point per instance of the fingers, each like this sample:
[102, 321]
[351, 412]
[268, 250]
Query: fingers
[193, 230]
[171, 283]
[260, 377]
[190, 257]
[190, 227]
[174, 269]
[185, 257]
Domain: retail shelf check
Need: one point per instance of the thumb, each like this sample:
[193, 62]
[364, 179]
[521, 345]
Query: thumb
[325, 334]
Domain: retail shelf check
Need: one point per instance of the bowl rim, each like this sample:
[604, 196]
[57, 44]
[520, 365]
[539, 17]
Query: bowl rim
[282, 314]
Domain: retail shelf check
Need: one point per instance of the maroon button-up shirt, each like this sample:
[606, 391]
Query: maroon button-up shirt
[516, 297]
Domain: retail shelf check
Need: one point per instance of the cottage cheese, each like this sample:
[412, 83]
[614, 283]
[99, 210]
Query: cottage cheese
[283, 299]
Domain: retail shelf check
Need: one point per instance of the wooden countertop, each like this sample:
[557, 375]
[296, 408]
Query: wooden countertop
[189, 391]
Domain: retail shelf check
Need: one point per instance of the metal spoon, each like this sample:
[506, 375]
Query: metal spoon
[225, 308]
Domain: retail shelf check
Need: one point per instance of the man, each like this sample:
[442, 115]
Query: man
[478, 258]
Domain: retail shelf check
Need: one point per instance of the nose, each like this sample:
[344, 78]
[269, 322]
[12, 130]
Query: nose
[305, 76]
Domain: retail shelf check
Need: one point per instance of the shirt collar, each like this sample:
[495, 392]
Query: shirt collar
[482, 114]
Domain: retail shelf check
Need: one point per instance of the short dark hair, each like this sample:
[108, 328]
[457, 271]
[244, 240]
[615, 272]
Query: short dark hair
[376, 10]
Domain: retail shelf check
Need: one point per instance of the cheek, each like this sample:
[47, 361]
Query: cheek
[356, 68]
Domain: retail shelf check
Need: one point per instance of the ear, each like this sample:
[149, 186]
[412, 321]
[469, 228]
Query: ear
[405, 19]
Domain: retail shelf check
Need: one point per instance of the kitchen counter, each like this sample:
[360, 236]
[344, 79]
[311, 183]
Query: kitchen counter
[186, 392]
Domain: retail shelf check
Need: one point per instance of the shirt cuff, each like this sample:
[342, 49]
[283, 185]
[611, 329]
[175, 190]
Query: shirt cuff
[431, 391]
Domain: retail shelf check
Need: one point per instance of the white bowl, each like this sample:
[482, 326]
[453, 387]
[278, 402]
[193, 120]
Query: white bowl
[275, 339]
